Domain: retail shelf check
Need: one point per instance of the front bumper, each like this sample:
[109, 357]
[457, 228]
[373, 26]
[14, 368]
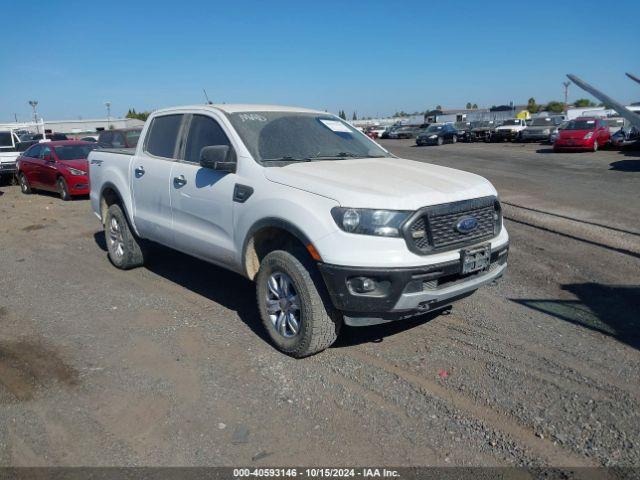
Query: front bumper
[573, 145]
[7, 168]
[78, 184]
[405, 292]
[505, 135]
[535, 137]
[426, 141]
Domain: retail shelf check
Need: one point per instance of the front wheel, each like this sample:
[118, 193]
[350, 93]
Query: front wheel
[595, 146]
[440, 141]
[24, 183]
[454, 139]
[63, 189]
[294, 305]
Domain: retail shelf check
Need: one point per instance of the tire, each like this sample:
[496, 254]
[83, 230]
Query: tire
[124, 247]
[454, 139]
[440, 141]
[595, 146]
[283, 275]
[63, 189]
[24, 183]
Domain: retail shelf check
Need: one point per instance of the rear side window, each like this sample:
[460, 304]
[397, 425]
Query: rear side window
[105, 139]
[203, 132]
[163, 135]
[132, 137]
[118, 140]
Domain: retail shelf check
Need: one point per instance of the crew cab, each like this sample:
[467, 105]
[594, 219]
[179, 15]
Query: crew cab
[331, 227]
[509, 130]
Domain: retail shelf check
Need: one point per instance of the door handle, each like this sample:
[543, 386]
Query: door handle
[179, 181]
[139, 171]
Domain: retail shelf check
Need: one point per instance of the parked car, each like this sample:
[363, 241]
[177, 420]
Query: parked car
[464, 131]
[437, 134]
[122, 138]
[56, 166]
[376, 131]
[32, 138]
[389, 130]
[554, 135]
[584, 133]
[627, 137]
[9, 152]
[406, 132]
[541, 129]
[332, 227]
[509, 130]
[89, 139]
[482, 130]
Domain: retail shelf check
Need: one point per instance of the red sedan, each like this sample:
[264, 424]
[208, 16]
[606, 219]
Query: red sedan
[59, 166]
[585, 133]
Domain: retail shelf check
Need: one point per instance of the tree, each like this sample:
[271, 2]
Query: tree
[532, 106]
[438, 107]
[555, 107]
[342, 115]
[584, 102]
[139, 115]
[475, 105]
[355, 116]
[468, 106]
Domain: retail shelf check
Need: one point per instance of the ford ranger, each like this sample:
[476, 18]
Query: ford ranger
[331, 227]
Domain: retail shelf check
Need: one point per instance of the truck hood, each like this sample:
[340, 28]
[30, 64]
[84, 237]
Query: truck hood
[390, 183]
[8, 157]
[511, 127]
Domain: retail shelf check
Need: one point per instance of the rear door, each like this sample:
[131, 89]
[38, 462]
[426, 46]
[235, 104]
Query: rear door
[29, 164]
[150, 178]
[202, 198]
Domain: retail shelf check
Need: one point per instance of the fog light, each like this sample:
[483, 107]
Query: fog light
[362, 284]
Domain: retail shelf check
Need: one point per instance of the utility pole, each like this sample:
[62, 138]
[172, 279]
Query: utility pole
[108, 105]
[15, 116]
[566, 96]
[34, 106]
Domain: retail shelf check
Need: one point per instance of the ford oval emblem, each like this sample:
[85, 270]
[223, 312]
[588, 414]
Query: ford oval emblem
[466, 225]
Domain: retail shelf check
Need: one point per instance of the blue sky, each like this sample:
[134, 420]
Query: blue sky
[375, 57]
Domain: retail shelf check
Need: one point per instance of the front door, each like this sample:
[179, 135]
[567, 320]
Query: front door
[48, 169]
[150, 177]
[201, 198]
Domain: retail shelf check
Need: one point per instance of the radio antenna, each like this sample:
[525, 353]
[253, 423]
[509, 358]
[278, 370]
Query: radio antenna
[209, 102]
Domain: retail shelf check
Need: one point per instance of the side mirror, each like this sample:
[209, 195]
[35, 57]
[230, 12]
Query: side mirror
[218, 157]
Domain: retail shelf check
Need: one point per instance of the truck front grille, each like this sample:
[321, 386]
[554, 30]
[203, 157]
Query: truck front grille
[435, 228]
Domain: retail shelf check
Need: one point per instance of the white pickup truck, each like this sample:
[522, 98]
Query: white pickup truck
[332, 227]
[8, 153]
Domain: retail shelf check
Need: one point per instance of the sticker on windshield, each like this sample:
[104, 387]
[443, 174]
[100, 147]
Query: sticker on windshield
[252, 117]
[336, 126]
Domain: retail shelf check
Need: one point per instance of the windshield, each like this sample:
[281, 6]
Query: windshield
[483, 124]
[581, 125]
[73, 152]
[434, 128]
[614, 122]
[511, 122]
[5, 139]
[539, 122]
[301, 136]
[461, 125]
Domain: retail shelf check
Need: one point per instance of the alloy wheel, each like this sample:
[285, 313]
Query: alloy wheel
[115, 238]
[283, 305]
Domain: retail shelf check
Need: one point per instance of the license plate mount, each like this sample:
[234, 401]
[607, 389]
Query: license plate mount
[475, 259]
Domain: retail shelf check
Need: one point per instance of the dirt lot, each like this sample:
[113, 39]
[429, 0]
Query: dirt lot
[168, 364]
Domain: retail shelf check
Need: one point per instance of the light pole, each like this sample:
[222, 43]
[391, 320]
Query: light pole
[34, 106]
[108, 105]
[566, 96]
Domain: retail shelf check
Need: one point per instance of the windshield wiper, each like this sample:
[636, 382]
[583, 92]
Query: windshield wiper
[318, 156]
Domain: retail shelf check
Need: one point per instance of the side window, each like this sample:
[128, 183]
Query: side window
[203, 132]
[118, 140]
[105, 139]
[34, 152]
[45, 151]
[163, 135]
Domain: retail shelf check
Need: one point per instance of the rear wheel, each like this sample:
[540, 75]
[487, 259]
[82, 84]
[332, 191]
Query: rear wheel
[63, 189]
[294, 305]
[124, 247]
[24, 183]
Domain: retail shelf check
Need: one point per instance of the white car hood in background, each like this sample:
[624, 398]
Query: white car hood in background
[390, 183]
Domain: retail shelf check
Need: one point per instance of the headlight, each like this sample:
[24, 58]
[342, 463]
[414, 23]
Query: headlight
[433, 136]
[546, 131]
[588, 136]
[364, 221]
[75, 171]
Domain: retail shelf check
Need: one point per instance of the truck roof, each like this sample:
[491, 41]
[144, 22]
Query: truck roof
[241, 107]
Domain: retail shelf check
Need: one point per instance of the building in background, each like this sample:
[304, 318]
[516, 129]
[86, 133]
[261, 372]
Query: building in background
[77, 127]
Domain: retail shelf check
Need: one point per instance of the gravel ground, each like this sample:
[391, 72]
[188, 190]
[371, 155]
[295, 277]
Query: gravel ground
[168, 364]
